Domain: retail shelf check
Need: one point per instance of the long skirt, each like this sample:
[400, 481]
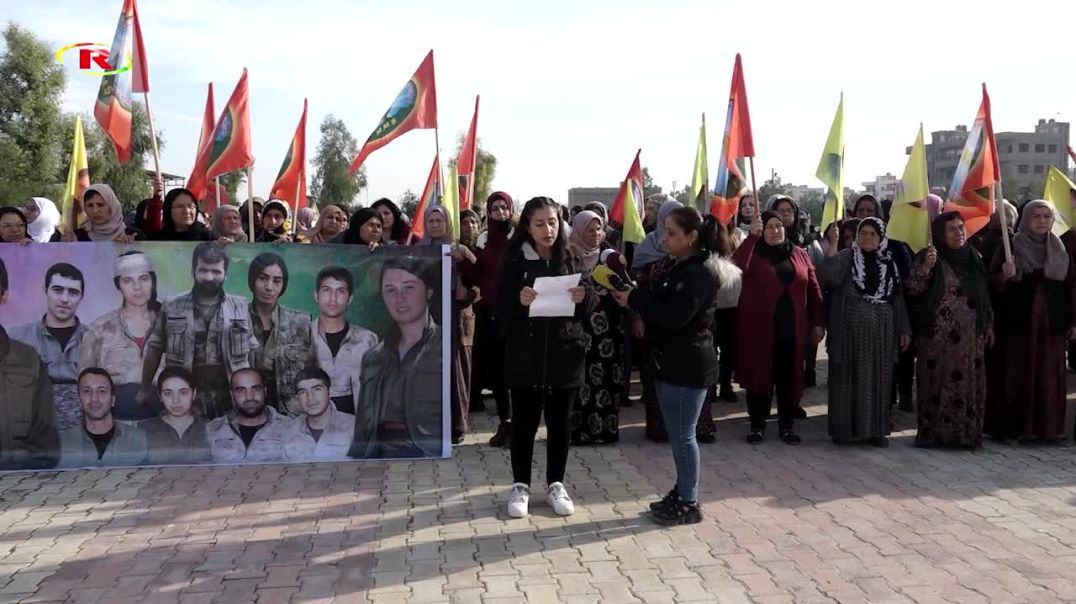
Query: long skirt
[860, 387]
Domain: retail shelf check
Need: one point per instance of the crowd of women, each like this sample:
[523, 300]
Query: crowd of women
[973, 342]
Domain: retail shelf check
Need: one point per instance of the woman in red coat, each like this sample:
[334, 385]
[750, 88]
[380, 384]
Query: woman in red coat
[780, 300]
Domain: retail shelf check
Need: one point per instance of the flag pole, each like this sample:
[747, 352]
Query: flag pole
[250, 200]
[440, 170]
[999, 208]
[295, 209]
[216, 190]
[153, 140]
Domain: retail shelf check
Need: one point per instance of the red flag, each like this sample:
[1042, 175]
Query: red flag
[737, 143]
[197, 182]
[230, 145]
[1072, 154]
[415, 107]
[139, 69]
[635, 177]
[467, 164]
[972, 191]
[430, 194]
[113, 107]
[291, 180]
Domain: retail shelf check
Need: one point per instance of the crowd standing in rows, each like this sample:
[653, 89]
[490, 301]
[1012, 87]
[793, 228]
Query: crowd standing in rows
[973, 343]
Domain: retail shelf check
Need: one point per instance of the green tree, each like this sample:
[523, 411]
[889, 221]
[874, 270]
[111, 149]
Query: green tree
[813, 203]
[773, 186]
[408, 203]
[231, 183]
[332, 183]
[31, 126]
[485, 168]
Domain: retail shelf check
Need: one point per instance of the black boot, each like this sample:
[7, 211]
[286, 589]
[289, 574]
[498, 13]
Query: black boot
[680, 512]
[503, 436]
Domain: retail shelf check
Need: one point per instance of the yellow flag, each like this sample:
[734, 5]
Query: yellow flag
[700, 178]
[451, 201]
[831, 170]
[1061, 194]
[908, 218]
[78, 178]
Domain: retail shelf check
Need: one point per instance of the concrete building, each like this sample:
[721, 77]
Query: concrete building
[1024, 157]
[803, 192]
[581, 196]
[882, 187]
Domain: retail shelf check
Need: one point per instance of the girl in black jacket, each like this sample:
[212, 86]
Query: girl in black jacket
[543, 356]
[678, 314]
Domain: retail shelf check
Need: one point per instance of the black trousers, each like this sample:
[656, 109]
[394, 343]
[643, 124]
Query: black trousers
[759, 403]
[527, 406]
[725, 342]
[904, 376]
[488, 363]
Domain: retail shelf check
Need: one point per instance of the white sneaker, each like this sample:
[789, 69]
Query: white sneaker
[518, 500]
[557, 496]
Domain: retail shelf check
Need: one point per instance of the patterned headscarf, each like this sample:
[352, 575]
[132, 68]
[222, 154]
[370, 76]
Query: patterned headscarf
[874, 273]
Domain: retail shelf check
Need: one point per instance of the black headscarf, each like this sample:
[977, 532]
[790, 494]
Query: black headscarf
[969, 268]
[359, 218]
[774, 253]
[799, 231]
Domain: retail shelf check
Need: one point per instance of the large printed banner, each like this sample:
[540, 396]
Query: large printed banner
[182, 353]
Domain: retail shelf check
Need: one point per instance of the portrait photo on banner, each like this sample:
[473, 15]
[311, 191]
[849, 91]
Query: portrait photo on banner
[176, 353]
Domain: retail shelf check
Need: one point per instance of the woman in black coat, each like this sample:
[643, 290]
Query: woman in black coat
[678, 315]
[544, 355]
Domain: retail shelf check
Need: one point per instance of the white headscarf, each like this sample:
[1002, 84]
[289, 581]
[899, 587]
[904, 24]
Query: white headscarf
[48, 218]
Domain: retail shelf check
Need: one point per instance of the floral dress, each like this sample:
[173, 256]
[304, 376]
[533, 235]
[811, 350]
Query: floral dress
[951, 369]
[595, 418]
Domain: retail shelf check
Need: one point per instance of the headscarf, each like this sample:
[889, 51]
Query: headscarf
[497, 231]
[969, 269]
[359, 218]
[314, 235]
[796, 233]
[868, 198]
[132, 265]
[469, 242]
[774, 253]
[280, 231]
[598, 208]
[587, 256]
[218, 217]
[426, 239]
[650, 250]
[874, 274]
[115, 226]
[1012, 216]
[1043, 253]
[848, 224]
[305, 219]
[48, 218]
[934, 205]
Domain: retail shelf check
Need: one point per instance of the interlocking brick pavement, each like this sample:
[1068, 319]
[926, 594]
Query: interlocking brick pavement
[814, 523]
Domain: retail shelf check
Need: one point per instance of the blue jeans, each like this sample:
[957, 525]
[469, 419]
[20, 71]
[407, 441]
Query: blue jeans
[681, 406]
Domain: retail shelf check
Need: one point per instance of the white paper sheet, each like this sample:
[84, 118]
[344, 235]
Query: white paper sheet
[553, 298]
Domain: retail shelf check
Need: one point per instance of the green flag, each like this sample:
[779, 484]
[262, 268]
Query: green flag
[831, 170]
[700, 178]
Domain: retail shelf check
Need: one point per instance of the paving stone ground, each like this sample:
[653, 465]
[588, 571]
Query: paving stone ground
[814, 523]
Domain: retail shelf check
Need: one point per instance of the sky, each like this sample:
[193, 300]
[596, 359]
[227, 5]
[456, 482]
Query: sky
[570, 90]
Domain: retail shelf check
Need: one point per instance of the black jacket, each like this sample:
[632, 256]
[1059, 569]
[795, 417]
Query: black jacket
[678, 311]
[543, 352]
